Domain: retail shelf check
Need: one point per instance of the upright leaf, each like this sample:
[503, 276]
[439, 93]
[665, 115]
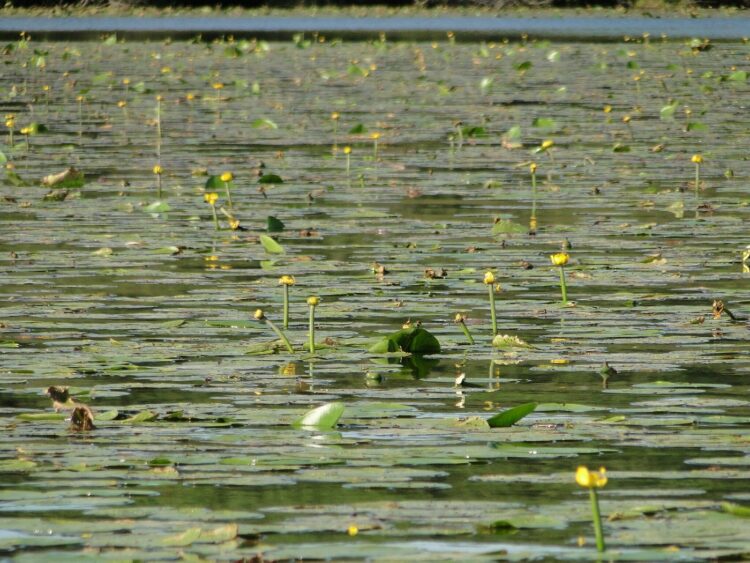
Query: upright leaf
[509, 417]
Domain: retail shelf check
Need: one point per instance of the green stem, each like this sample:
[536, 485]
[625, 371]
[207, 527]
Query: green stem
[493, 315]
[375, 149]
[533, 195]
[229, 195]
[286, 306]
[280, 335]
[697, 179]
[563, 286]
[158, 186]
[11, 138]
[596, 516]
[311, 329]
[465, 329]
[216, 219]
[348, 164]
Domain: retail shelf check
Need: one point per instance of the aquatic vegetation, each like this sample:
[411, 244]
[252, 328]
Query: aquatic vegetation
[312, 302]
[285, 281]
[211, 198]
[136, 305]
[593, 480]
[227, 178]
[697, 159]
[460, 320]
[259, 315]
[158, 171]
[560, 259]
[489, 281]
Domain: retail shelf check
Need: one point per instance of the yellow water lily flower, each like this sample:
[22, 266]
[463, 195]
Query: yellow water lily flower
[697, 159]
[547, 144]
[211, 198]
[227, 177]
[313, 301]
[347, 150]
[157, 169]
[335, 115]
[287, 280]
[591, 479]
[259, 315]
[489, 278]
[122, 104]
[532, 167]
[234, 224]
[559, 259]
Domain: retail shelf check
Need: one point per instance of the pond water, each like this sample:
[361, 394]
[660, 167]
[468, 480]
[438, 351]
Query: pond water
[145, 310]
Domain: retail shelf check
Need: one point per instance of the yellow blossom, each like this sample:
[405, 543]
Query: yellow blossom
[126, 81]
[258, 315]
[352, 530]
[626, 119]
[697, 159]
[157, 169]
[122, 104]
[211, 198]
[607, 108]
[26, 131]
[313, 301]
[546, 144]
[335, 115]
[234, 224]
[532, 167]
[591, 479]
[287, 280]
[489, 278]
[190, 96]
[375, 136]
[159, 98]
[217, 85]
[10, 123]
[347, 149]
[227, 177]
[559, 259]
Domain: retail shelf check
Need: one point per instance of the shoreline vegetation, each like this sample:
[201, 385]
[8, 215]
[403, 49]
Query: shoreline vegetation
[515, 8]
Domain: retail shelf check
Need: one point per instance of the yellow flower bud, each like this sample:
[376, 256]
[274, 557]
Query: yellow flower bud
[227, 177]
[126, 81]
[190, 96]
[459, 318]
[157, 169]
[352, 530]
[697, 159]
[347, 150]
[211, 198]
[122, 104]
[10, 123]
[489, 278]
[591, 479]
[626, 119]
[335, 115]
[287, 280]
[559, 259]
[26, 131]
[217, 85]
[234, 224]
[375, 136]
[532, 167]
[546, 144]
[258, 315]
[607, 108]
[313, 301]
[159, 98]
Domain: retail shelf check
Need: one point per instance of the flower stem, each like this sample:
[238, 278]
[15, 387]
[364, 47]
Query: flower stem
[158, 128]
[596, 516]
[216, 219]
[563, 286]
[697, 179]
[286, 306]
[466, 332]
[280, 334]
[311, 329]
[229, 197]
[493, 315]
[158, 186]
[533, 195]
